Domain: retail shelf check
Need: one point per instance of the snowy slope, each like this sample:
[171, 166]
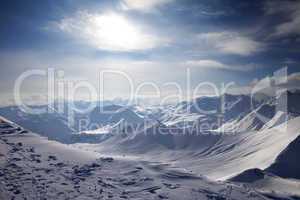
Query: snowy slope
[101, 134]
[279, 118]
[56, 126]
[210, 112]
[113, 114]
[217, 156]
[32, 167]
[253, 121]
[240, 113]
[127, 115]
[51, 125]
[287, 163]
[269, 183]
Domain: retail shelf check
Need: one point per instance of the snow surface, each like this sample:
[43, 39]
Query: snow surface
[279, 118]
[218, 156]
[268, 183]
[287, 163]
[165, 158]
[31, 167]
[253, 121]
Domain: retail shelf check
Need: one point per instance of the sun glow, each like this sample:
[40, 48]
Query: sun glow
[114, 31]
[109, 32]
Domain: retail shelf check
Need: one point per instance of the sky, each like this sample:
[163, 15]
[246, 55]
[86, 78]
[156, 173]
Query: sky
[159, 42]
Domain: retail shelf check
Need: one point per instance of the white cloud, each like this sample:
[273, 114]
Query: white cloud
[213, 64]
[206, 64]
[290, 27]
[109, 32]
[143, 5]
[231, 43]
[291, 10]
[269, 85]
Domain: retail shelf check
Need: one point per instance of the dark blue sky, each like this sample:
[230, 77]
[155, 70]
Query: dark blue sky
[151, 40]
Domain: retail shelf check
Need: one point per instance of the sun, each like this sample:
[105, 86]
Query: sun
[114, 32]
[110, 32]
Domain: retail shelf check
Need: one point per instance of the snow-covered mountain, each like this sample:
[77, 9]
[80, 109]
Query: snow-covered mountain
[64, 171]
[281, 176]
[101, 115]
[109, 121]
[256, 146]
[272, 112]
[219, 155]
[56, 126]
[51, 125]
[32, 167]
[227, 113]
[286, 164]
[127, 115]
[252, 121]
[209, 113]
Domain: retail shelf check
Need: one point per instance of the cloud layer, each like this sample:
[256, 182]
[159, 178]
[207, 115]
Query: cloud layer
[290, 10]
[213, 64]
[231, 43]
[144, 6]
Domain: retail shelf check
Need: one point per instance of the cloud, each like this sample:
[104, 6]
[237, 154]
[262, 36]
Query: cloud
[213, 64]
[231, 43]
[291, 11]
[144, 6]
[206, 64]
[270, 85]
[110, 32]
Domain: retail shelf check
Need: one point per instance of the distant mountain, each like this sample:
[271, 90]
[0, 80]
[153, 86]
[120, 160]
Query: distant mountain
[209, 113]
[127, 115]
[253, 121]
[228, 112]
[51, 125]
[102, 115]
[56, 126]
[271, 112]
